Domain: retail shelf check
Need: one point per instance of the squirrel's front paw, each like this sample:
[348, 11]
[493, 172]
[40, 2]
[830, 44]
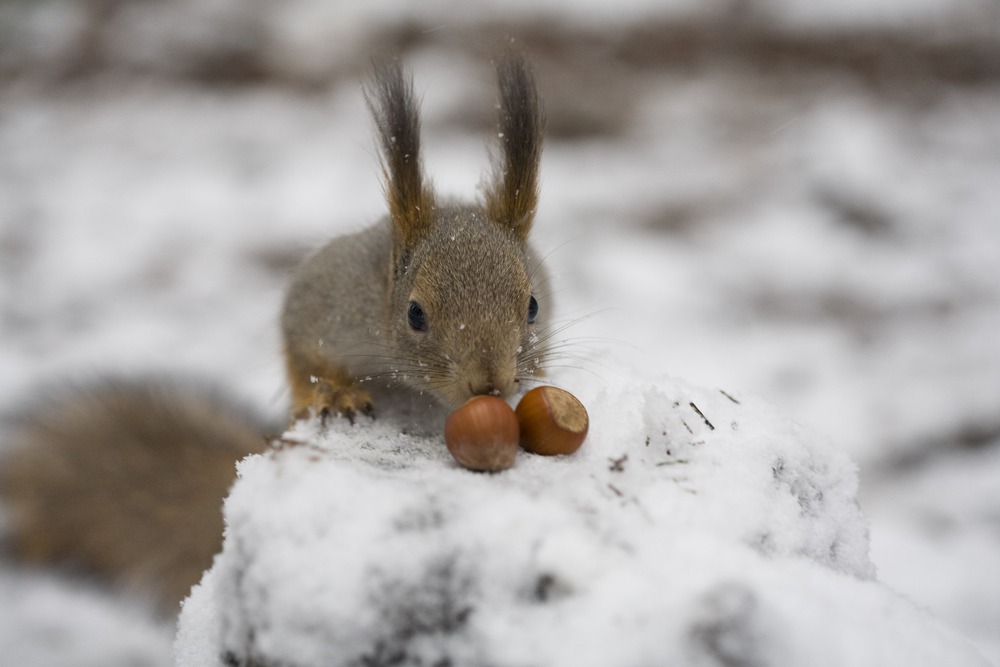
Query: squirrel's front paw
[329, 400]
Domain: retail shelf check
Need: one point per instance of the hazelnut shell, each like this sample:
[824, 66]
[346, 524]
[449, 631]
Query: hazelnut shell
[483, 434]
[551, 421]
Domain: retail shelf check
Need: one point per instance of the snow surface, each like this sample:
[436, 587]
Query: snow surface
[46, 621]
[692, 527]
[823, 237]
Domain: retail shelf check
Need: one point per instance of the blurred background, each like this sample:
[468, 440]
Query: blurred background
[795, 199]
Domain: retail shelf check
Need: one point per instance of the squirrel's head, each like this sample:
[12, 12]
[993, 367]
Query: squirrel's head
[470, 310]
[468, 297]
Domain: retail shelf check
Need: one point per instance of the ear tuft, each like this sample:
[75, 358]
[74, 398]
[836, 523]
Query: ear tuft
[397, 120]
[512, 196]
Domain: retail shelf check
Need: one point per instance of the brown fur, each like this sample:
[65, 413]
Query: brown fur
[397, 121]
[514, 192]
[125, 481]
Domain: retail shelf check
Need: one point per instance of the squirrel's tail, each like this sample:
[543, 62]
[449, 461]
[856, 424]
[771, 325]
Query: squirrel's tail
[125, 480]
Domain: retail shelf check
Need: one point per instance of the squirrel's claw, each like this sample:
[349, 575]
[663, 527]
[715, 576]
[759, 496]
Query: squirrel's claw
[330, 400]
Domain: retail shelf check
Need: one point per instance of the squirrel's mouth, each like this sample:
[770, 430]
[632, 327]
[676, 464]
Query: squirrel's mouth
[481, 383]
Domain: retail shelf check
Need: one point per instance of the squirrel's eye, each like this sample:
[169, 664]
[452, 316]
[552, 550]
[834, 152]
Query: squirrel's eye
[416, 317]
[532, 309]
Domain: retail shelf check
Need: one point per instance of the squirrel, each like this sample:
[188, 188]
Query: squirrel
[125, 479]
[442, 299]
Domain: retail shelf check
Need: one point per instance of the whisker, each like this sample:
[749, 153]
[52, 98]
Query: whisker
[561, 246]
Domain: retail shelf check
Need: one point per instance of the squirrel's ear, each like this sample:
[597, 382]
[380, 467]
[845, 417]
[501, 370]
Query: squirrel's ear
[397, 120]
[512, 195]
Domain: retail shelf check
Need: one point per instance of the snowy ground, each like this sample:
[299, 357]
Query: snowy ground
[774, 201]
[693, 528]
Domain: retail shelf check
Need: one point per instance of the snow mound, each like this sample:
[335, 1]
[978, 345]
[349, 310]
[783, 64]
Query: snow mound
[693, 527]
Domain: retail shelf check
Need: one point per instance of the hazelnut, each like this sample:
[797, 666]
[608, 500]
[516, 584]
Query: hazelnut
[552, 421]
[483, 434]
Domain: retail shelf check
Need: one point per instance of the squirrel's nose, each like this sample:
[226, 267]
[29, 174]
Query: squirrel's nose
[483, 387]
[496, 383]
